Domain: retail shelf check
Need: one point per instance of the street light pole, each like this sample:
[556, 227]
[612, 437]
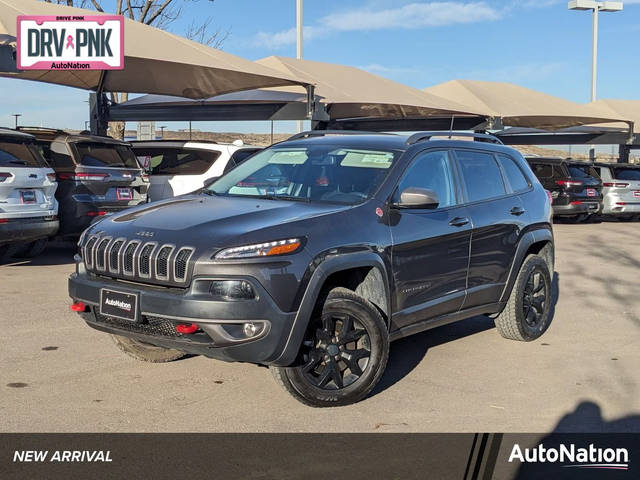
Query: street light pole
[596, 7]
[299, 38]
[16, 115]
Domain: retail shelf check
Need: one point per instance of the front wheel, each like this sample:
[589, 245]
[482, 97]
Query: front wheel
[343, 356]
[145, 351]
[527, 313]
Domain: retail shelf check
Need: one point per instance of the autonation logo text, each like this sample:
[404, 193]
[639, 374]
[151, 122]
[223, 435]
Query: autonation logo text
[589, 457]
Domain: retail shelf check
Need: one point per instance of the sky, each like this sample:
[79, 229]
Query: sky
[539, 44]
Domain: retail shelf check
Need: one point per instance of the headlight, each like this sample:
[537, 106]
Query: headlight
[268, 249]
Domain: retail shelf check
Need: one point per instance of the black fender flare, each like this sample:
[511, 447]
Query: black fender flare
[543, 234]
[332, 264]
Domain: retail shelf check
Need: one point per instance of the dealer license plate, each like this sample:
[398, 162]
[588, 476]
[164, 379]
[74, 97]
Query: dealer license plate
[27, 196]
[119, 304]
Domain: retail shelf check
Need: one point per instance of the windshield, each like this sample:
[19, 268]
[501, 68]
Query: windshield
[582, 171]
[95, 154]
[319, 173]
[627, 173]
[16, 153]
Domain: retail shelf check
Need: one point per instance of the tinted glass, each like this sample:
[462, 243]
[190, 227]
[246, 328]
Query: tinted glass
[239, 156]
[19, 154]
[627, 173]
[430, 170]
[177, 161]
[95, 154]
[582, 171]
[319, 173]
[514, 175]
[481, 175]
[542, 170]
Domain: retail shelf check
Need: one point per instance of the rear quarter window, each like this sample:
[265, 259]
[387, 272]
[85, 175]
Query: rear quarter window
[542, 170]
[177, 161]
[515, 176]
[16, 154]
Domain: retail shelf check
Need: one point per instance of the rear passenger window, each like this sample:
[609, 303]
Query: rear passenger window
[481, 175]
[514, 175]
[542, 170]
[430, 170]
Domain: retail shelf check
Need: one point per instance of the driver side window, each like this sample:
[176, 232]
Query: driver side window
[430, 170]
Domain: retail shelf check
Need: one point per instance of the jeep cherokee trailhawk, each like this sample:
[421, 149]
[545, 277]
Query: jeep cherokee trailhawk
[339, 243]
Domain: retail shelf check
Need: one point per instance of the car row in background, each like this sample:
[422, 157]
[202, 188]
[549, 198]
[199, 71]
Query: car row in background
[580, 190]
[179, 167]
[28, 207]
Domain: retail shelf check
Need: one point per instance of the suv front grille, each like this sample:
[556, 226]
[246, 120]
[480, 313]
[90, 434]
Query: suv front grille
[134, 259]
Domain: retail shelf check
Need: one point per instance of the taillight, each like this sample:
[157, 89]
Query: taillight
[621, 203]
[4, 220]
[616, 184]
[99, 213]
[549, 196]
[91, 177]
[576, 202]
[569, 183]
[51, 177]
[4, 176]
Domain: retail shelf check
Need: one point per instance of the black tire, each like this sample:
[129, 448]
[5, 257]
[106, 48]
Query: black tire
[145, 351]
[32, 249]
[527, 313]
[8, 251]
[629, 218]
[327, 374]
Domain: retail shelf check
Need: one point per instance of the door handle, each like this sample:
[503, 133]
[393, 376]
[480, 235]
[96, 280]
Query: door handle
[516, 211]
[458, 221]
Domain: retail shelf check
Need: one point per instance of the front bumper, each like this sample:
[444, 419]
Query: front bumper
[27, 230]
[220, 333]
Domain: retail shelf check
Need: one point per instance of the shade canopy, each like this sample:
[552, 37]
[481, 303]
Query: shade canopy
[629, 109]
[259, 104]
[518, 106]
[155, 61]
[350, 92]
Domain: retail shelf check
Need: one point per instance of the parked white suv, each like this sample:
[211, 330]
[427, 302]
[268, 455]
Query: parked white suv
[28, 207]
[178, 167]
[621, 189]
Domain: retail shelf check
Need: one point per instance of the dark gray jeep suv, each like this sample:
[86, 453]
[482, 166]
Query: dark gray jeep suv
[314, 254]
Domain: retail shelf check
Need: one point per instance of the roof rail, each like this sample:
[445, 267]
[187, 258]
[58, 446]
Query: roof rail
[42, 129]
[322, 133]
[479, 137]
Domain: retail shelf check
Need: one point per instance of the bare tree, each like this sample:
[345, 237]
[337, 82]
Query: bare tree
[160, 14]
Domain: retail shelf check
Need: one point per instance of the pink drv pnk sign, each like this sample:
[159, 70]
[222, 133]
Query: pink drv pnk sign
[58, 42]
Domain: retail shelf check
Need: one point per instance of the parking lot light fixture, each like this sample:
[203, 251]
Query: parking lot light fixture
[595, 7]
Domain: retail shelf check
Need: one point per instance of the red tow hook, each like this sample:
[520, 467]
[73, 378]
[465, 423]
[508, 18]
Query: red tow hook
[187, 328]
[78, 307]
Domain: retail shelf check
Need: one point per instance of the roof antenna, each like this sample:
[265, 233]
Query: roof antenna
[451, 127]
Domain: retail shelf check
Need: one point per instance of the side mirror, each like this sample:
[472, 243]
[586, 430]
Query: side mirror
[415, 197]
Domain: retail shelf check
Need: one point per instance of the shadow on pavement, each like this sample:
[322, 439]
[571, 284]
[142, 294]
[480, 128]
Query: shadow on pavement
[407, 353]
[57, 253]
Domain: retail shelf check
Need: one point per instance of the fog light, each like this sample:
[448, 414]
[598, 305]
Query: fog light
[231, 290]
[249, 329]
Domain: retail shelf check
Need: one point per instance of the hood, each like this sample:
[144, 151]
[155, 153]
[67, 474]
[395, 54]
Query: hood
[213, 220]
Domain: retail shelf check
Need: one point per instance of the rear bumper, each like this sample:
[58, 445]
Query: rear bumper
[27, 230]
[220, 323]
[588, 207]
[615, 205]
[76, 216]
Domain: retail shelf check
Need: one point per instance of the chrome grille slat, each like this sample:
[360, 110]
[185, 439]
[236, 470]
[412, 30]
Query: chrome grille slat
[181, 264]
[101, 254]
[121, 257]
[113, 254]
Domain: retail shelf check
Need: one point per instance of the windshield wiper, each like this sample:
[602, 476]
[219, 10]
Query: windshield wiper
[282, 197]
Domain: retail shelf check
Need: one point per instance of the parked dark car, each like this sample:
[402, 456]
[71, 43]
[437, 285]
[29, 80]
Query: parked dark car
[97, 176]
[357, 240]
[576, 188]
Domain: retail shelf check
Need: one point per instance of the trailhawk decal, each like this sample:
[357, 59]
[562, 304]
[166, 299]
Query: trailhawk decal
[86, 42]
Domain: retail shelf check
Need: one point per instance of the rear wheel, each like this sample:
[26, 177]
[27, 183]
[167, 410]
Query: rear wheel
[528, 310]
[32, 249]
[343, 356]
[145, 351]
[8, 251]
[628, 218]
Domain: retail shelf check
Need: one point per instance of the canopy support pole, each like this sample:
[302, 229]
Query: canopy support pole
[99, 108]
[310, 101]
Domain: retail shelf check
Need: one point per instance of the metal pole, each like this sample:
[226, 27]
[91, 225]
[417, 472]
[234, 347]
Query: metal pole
[271, 132]
[189, 129]
[594, 54]
[17, 115]
[299, 38]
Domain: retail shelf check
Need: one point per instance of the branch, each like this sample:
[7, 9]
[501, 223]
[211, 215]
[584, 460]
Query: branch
[119, 7]
[158, 12]
[145, 10]
[130, 10]
[95, 4]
